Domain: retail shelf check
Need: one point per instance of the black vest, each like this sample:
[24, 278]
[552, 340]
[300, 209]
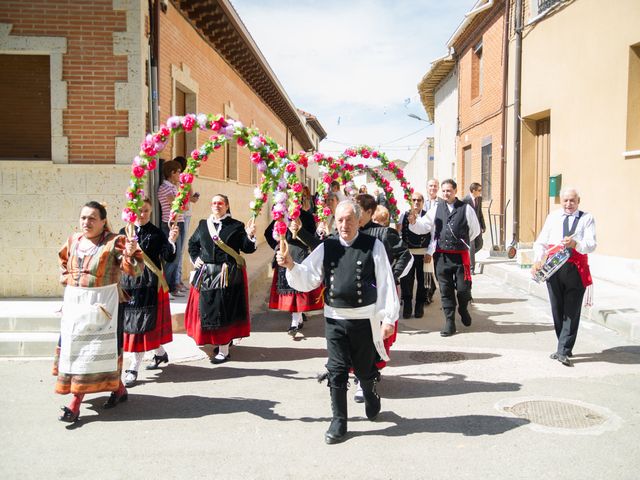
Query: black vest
[452, 230]
[413, 240]
[349, 272]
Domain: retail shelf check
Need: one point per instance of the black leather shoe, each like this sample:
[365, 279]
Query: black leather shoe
[419, 312]
[157, 360]
[69, 416]
[406, 309]
[563, 359]
[114, 400]
[130, 378]
[220, 358]
[465, 317]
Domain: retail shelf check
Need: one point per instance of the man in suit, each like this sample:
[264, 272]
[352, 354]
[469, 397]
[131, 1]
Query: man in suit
[475, 200]
[433, 187]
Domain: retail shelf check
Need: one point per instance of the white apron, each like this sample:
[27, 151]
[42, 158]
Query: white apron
[88, 330]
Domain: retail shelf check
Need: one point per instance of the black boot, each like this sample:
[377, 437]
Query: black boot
[371, 399]
[338, 428]
[406, 309]
[464, 316]
[419, 313]
[450, 323]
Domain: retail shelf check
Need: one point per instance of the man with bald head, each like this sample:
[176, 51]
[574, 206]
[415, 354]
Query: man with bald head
[575, 230]
[361, 306]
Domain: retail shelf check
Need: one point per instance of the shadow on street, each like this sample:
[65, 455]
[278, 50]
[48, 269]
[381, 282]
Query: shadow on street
[437, 385]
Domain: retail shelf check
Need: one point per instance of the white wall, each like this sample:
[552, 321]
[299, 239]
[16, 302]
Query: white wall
[446, 127]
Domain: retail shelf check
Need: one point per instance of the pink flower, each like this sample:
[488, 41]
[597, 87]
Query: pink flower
[282, 153]
[173, 122]
[186, 178]
[131, 195]
[129, 216]
[256, 157]
[271, 156]
[374, 154]
[326, 211]
[326, 178]
[392, 166]
[165, 131]
[392, 201]
[204, 158]
[365, 153]
[291, 167]
[152, 164]
[241, 141]
[388, 189]
[188, 121]
[303, 160]
[280, 228]
[137, 171]
[277, 215]
[296, 213]
[316, 218]
[195, 154]
[297, 187]
[216, 126]
[318, 156]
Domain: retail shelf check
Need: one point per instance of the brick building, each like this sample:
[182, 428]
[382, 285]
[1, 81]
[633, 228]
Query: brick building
[76, 95]
[480, 51]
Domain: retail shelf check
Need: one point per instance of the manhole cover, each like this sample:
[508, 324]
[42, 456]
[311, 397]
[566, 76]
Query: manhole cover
[556, 414]
[437, 357]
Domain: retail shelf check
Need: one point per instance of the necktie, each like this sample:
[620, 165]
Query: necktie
[565, 225]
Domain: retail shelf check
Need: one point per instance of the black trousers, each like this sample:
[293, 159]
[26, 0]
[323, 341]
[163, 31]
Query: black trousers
[416, 273]
[349, 344]
[450, 275]
[565, 294]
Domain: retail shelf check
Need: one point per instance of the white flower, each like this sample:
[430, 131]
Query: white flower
[280, 197]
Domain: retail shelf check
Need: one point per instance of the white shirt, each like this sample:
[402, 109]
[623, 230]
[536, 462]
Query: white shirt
[551, 233]
[309, 274]
[425, 224]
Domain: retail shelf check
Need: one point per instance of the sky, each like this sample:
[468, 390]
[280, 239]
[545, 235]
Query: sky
[356, 64]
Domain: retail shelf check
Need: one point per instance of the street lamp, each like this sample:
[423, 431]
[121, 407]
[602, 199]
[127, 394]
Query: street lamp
[413, 115]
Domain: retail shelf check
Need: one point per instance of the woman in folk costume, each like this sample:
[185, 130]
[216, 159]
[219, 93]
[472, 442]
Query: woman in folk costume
[147, 317]
[218, 304]
[283, 297]
[89, 355]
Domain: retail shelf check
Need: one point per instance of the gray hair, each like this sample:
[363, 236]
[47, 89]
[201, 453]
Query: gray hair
[353, 205]
[566, 190]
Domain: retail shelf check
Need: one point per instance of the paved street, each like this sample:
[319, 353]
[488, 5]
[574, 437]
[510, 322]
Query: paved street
[449, 408]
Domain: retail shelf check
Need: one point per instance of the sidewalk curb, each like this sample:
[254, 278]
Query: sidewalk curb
[619, 314]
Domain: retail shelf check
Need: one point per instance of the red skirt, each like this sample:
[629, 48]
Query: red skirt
[161, 334]
[295, 302]
[220, 336]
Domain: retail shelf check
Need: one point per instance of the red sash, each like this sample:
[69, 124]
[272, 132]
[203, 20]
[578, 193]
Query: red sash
[466, 261]
[581, 261]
